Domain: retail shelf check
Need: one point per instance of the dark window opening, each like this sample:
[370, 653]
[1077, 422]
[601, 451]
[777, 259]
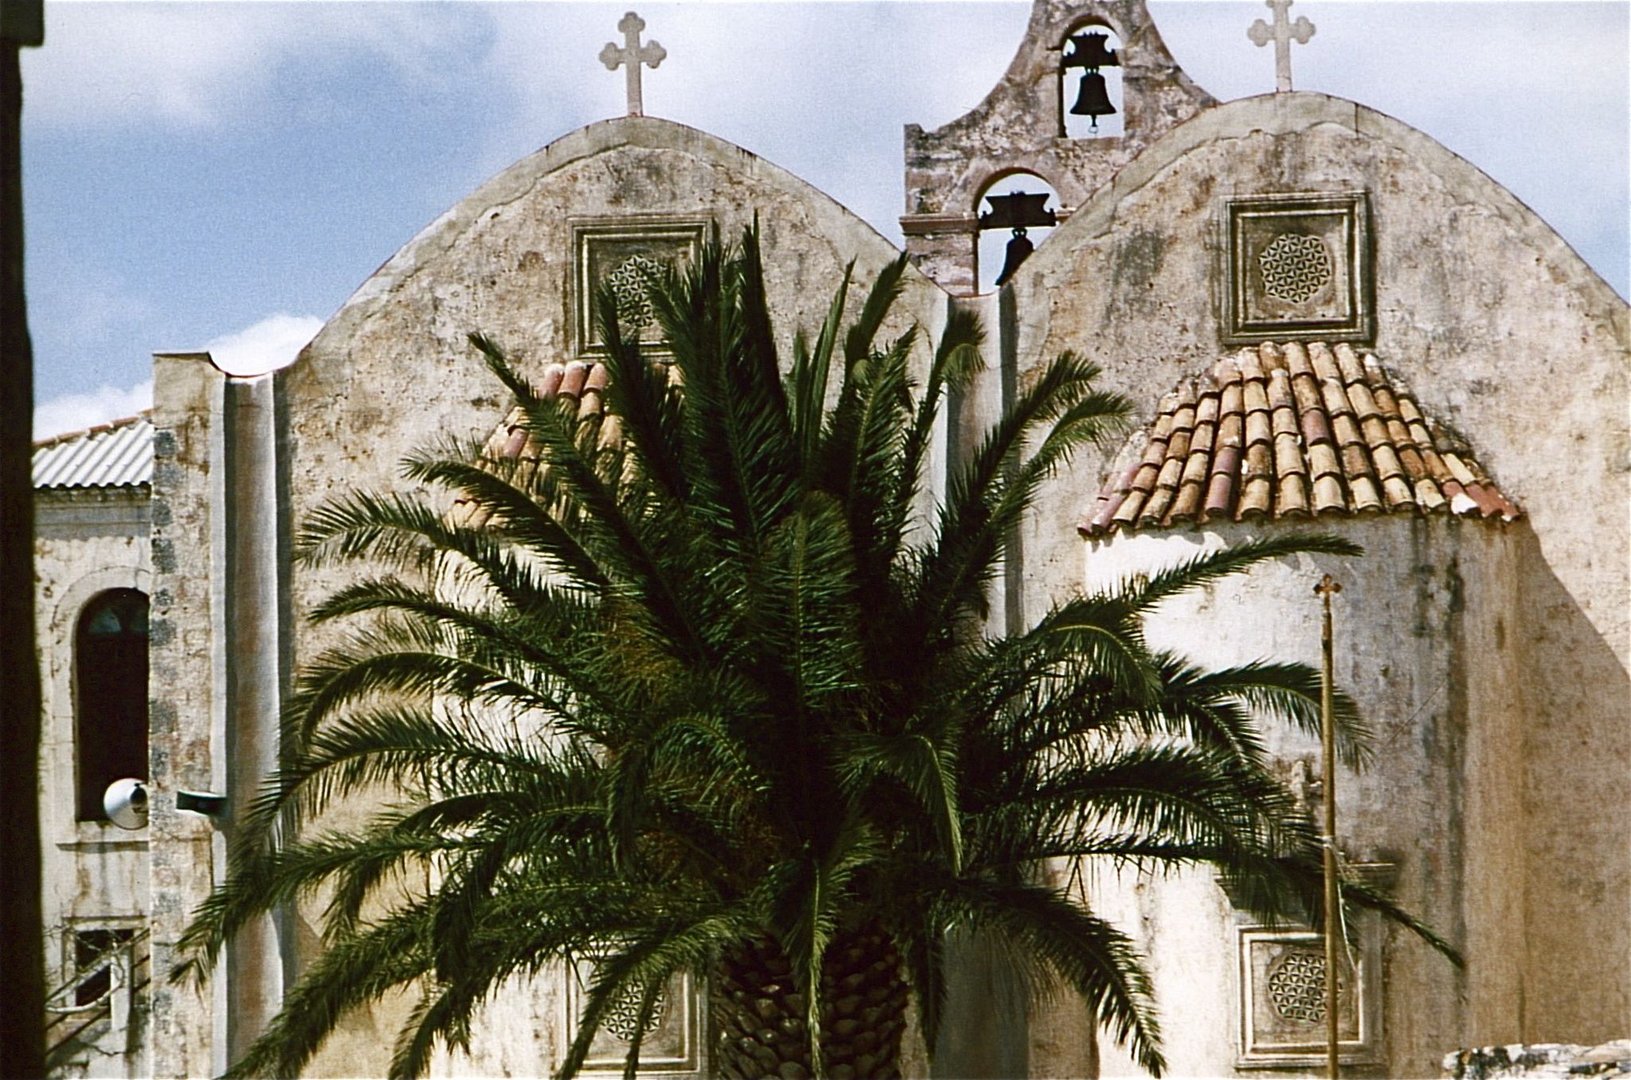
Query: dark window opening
[110, 662]
[95, 953]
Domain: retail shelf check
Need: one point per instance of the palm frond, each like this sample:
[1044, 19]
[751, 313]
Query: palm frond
[716, 691]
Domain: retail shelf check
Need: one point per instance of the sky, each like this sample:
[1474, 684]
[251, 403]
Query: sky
[224, 175]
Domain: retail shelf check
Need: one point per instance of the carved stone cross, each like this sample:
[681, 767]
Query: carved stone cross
[1282, 34]
[631, 56]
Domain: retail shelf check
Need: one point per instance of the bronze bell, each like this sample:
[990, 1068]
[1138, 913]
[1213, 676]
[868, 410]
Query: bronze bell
[1093, 100]
[1019, 249]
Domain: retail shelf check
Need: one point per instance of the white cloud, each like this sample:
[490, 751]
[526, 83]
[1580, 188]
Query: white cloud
[199, 65]
[76, 412]
[270, 344]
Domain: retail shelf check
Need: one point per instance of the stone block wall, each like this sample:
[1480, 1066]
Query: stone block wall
[1539, 1060]
[185, 675]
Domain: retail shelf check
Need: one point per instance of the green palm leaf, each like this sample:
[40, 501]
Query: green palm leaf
[714, 696]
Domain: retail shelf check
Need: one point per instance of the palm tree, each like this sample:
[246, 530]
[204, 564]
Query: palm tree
[714, 696]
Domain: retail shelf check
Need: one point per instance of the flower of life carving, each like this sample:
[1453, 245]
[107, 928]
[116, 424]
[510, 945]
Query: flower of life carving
[1294, 267]
[1297, 986]
[631, 283]
[624, 1015]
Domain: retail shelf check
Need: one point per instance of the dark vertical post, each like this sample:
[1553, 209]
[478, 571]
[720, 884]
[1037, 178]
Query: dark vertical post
[1327, 588]
[22, 954]
[1013, 552]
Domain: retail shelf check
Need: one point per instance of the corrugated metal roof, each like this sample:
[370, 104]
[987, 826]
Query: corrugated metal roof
[119, 454]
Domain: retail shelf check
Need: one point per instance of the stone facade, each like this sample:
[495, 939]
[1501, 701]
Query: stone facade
[90, 543]
[1491, 656]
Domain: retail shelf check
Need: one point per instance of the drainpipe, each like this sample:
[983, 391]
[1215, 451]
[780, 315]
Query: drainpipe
[254, 966]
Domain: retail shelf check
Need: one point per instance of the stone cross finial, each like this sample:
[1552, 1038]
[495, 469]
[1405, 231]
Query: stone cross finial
[1282, 34]
[631, 56]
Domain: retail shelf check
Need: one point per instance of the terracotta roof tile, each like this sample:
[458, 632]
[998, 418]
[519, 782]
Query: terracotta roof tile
[1397, 492]
[1364, 402]
[1386, 460]
[1325, 365]
[584, 384]
[1346, 430]
[1293, 500]
[1322, 461]
[1292, 430]
[1328, 495]
[1353, 371]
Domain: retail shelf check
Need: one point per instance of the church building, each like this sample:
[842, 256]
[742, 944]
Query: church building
[1323, 319]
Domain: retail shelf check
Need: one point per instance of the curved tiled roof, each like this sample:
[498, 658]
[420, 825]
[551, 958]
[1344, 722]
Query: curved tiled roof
[119, 454]
[583, 382]
[1285, 431]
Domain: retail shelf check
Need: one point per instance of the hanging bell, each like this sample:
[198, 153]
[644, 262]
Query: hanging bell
[1019, 249]
[1093, 100]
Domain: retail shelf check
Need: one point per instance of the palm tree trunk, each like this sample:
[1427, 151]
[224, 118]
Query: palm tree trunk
[759, 1019]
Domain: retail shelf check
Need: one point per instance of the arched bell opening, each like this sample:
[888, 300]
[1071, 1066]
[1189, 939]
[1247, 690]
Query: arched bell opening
[1091, 104]
[1016, 214]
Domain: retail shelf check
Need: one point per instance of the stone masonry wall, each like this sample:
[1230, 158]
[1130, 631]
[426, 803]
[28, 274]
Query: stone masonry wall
[1019, 126]
[185, 671]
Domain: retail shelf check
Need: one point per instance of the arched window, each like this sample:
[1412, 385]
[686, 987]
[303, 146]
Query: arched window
[110, 667]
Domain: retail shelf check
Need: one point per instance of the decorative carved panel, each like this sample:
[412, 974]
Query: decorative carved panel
[1298, 268]
[626, 255]
[1282, 999]
[669, 1046]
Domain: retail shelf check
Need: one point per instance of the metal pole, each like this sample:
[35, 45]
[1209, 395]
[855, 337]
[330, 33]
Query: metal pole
[254, 967]
[1327, 588]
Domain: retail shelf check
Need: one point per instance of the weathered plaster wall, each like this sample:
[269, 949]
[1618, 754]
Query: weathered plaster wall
[1421, 641]
[392, 372]
[1502, 332]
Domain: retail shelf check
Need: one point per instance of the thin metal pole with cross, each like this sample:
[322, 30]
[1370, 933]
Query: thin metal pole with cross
[1327, 588]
